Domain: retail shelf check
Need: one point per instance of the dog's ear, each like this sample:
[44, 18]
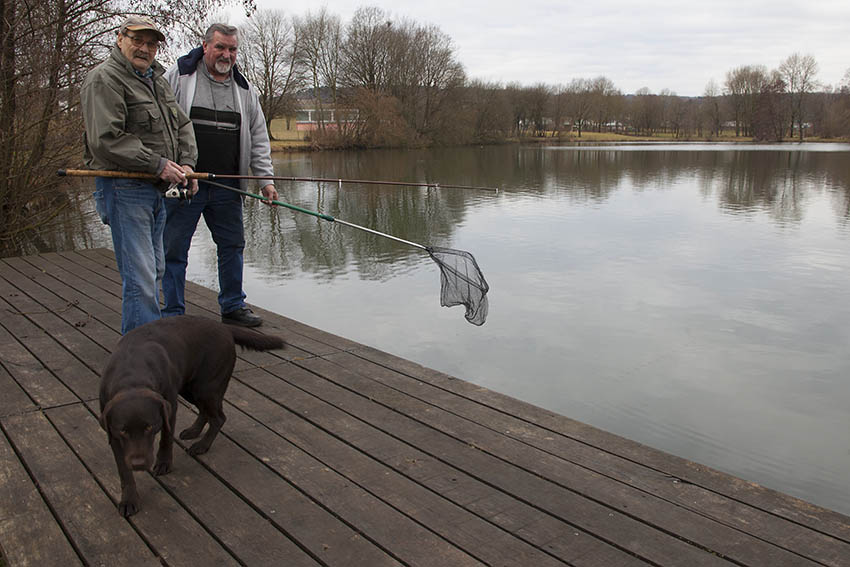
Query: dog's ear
[103, 416]
[165, 407]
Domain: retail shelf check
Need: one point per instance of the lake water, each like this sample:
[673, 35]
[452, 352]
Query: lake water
[692, 297]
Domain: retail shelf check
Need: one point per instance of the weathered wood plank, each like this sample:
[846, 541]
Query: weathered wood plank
[410, 542]
[25, 518]
[557, 538]
[87, 515]
[314, 528]
[817, 518]
[176, 536]
[456, 525]
[29, 372]
[13, 398]
[769, 527]
[62, 318]
[99, 320]
[26, 325]
[580, 513]
[620, 498]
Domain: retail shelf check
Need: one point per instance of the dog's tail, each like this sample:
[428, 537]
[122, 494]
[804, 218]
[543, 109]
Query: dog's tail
[255, 341]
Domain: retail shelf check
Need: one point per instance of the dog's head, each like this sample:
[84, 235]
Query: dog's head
[132, 418]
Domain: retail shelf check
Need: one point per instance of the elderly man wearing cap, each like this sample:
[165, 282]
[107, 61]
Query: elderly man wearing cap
[133, 123]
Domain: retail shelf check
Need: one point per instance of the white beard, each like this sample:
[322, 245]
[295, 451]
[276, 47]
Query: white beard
[222, 67]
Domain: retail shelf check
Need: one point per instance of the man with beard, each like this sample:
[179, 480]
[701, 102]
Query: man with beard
[232, 139]
[133, 123]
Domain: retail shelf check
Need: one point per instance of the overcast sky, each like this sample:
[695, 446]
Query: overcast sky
[658, 44]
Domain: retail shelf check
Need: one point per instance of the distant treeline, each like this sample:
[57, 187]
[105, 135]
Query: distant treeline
[393, 82]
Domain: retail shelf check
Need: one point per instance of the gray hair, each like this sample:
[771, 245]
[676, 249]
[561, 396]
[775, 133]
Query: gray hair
[223, 29]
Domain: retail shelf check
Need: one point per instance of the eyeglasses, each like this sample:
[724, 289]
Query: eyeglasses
[138, 42]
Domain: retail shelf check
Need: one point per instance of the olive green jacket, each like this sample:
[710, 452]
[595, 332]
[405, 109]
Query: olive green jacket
[129, 126]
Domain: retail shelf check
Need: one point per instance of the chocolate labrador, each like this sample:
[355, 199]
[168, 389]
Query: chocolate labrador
[152, 364]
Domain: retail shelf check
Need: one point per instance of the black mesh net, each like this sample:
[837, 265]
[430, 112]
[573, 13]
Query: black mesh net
[462, 283]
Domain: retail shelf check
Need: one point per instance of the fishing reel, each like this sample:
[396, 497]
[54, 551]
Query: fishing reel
[175, 191]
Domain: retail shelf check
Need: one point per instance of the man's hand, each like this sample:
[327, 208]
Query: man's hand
[173, 173]
[193, 183]
[270, 193]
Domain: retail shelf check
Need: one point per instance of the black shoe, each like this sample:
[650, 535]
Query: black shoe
[243, 317]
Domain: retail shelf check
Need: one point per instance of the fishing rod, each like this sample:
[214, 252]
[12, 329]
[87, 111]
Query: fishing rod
[461, 280]
[211, 176]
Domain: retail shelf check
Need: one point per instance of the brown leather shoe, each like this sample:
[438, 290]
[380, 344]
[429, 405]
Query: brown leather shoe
[243, 317]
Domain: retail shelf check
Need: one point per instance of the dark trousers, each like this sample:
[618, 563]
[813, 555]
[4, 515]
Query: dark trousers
[222, 212]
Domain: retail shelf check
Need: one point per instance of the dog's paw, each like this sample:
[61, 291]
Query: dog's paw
[198, 448]
[128, 507]
[190, 433]
[162, 468]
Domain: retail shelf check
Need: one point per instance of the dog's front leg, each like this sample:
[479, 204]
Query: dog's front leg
[129, 503]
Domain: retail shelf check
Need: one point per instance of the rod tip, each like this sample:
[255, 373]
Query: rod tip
[61, 172]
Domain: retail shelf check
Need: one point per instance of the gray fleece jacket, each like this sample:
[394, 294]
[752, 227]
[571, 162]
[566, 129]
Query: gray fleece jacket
[254, 146]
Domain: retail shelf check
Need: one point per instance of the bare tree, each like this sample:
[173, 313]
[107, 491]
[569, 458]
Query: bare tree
[440, 80]
[270, 49]
[711, 107]
[646, 111]
[491, 111]
[604, 95]
[771, 110]
[537, 98]
[321, 38]
[366, 49]
[798, 73]
[580, 98]
[743, 85]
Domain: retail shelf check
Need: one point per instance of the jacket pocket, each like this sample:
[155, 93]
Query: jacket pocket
[143, 118]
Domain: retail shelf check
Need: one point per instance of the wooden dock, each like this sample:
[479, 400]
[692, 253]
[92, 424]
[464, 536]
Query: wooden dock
[337, 454]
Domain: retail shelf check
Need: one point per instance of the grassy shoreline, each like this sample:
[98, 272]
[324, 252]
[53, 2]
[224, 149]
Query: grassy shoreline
[586, 137]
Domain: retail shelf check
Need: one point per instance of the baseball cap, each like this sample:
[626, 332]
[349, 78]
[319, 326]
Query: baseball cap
[139, 23]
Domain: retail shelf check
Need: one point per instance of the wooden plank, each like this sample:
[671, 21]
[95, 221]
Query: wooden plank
[313, 527]
[13, 398]
[26, 519]
[78, 292]
[753, 521]
[409, 542]
[580, 513]
[618, 497]
[176, 536]
[466, 531]
[52, 354]
[28, 372]
[817, 518]
[489, 505]
[98, 286]
[244, 530]
[63, 319]
[86, 514]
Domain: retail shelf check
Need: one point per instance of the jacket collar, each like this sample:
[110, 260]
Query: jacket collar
[188, 64]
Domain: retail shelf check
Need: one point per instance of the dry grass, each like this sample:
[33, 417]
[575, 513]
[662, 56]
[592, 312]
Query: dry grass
[659, 137]
[290, 145]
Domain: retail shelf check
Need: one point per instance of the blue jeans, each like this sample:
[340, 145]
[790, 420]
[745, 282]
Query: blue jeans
[135, 213]
[222, 211]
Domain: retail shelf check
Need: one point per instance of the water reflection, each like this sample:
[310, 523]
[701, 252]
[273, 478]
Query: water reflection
[694, 298]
